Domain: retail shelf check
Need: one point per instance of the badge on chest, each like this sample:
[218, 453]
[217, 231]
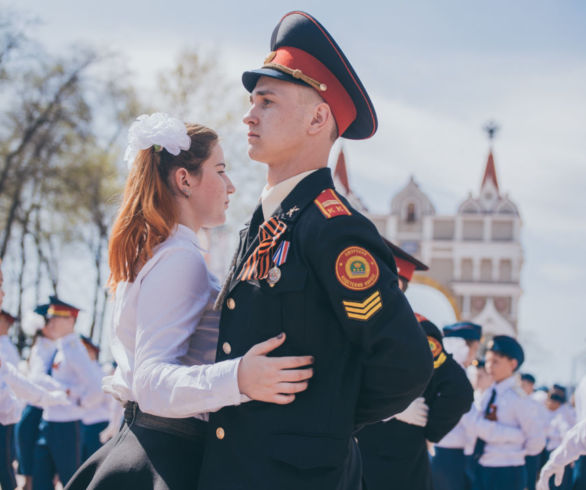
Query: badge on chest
[279, 258]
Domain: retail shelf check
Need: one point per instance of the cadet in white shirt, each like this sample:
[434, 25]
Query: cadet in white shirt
[57, 450]
[507, 426]
[38, 364]
[165, 328]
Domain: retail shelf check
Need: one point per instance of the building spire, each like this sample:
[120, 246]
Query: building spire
[491, 129]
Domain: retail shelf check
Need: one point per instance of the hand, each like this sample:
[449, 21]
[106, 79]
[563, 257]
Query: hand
[415, 414]
[549, 470]
[53, 398]
[108, 433]
[273, 379]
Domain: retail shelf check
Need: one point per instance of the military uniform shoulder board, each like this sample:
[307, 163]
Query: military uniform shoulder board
[439, 356]
[330, 204]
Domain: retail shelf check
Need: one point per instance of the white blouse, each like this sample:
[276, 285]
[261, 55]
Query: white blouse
[165, 333]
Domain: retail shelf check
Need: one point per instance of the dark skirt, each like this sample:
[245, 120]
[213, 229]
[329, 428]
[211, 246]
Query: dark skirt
[149, 452]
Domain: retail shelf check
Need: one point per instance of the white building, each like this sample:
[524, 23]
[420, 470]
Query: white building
[475, 256]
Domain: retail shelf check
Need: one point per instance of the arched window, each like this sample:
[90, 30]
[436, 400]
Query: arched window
[411, 217]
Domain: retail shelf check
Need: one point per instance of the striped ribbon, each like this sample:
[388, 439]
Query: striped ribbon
[258, 264]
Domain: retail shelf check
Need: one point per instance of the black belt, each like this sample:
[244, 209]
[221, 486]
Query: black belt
[188, 428]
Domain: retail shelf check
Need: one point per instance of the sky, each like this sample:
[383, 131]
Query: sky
[436, 72]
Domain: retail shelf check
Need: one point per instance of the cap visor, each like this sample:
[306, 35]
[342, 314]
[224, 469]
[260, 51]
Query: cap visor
[250, 78]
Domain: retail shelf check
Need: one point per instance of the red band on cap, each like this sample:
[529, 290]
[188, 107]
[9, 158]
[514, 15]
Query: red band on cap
[62, 311]
[335, 95]
[405, 269]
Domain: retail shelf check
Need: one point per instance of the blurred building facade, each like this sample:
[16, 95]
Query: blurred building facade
[475, 255]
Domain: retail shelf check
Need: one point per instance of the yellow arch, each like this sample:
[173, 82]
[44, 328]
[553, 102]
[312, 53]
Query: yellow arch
[428, 281]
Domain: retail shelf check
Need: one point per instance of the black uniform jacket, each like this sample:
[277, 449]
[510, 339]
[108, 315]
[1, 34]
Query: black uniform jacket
[394, 453]
[371, 357]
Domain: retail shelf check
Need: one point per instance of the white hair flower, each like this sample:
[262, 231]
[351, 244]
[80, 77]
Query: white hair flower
[158, 129]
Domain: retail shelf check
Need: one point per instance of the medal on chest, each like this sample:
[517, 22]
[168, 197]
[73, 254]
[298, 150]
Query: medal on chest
[279, 258]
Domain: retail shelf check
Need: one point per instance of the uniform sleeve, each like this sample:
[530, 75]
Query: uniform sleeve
[29, 391]
[172, 299]
[532, 426]
[10, 406]
[496, 433]
[450, 398]
[89, 391]
[358, 274]
[572, 447]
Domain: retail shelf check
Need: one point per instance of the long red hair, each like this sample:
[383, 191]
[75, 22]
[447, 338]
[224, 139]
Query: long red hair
[148, 213]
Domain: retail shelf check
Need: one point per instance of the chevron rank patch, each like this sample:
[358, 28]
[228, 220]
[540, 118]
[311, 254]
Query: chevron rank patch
[363, 310]
[439, 356]
[330, 205]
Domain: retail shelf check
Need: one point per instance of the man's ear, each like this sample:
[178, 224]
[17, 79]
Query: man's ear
[321, 119]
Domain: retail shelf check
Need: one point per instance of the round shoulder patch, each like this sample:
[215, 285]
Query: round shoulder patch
[435, 346]
[356, 269]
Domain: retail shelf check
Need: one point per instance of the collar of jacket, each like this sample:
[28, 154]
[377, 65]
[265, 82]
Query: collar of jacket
[303, 194]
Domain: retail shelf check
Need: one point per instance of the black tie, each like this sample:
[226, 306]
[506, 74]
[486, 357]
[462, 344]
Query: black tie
[481, 443]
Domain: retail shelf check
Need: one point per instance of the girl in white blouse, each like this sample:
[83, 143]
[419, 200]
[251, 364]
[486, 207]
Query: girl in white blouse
[165, 328]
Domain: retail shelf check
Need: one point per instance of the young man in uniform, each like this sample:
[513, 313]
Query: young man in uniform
[395, 450]
[58, 448]
[508, 426]
[310, 265]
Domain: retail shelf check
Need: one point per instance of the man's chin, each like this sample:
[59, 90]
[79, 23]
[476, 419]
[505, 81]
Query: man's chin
[256, 155]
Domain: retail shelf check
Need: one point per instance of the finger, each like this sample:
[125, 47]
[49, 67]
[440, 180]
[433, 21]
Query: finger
[559, 476]
[291, 362]
[281, 399]
[268, 345]
[295, 374]
[288, 388]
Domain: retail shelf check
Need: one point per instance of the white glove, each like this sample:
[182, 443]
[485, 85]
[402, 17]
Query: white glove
[415, 414]
[548, 470]
[52, 398]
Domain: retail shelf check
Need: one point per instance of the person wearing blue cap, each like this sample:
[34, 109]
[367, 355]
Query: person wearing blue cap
[57, 449]
[449, 461]
[39, 361]
[507, 426]
[311, 265]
